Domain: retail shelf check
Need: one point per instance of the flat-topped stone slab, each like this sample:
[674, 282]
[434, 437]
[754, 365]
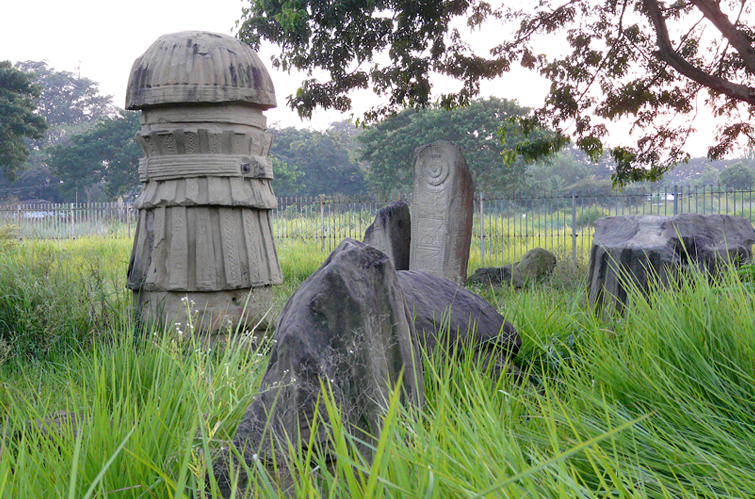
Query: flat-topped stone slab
[637, 250]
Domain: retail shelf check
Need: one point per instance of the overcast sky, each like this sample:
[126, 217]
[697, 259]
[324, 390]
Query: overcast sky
[101, 39]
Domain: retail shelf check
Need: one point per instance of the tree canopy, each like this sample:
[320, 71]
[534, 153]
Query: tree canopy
[18, 120]
[313, 163]
[106, 154]
[388, 147]
[737, 176]
[650, 63]
[70, 105]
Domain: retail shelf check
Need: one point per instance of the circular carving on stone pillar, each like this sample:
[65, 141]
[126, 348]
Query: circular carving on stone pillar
[435, 171]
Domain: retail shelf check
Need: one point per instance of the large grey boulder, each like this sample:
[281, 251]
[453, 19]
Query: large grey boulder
[347, 327]
[446, 313]
[391, 233]
[638, 250]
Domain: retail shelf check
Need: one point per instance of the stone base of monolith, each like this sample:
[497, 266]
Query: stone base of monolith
[217, 312]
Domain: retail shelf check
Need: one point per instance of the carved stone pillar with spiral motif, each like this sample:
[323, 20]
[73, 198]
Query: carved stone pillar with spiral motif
[204, 251]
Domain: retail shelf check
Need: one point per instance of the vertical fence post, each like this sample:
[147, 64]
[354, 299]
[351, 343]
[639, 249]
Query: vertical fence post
[676, 199]
[73, 228]
[18, 217]
[574, 225]
[322, 221]
[482, 229]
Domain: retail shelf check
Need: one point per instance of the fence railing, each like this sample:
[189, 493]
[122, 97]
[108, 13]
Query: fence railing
[505, 227]
[69, 220]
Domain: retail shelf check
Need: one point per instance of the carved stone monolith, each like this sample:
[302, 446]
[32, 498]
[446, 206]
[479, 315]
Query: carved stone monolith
[442, 206]
[637, 251]
[204, 233]
[391, 233]
[347, 328]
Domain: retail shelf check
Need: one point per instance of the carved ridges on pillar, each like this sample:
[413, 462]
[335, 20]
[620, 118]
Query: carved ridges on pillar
[203, 249]
[199, 67]
[218, 191]
[203, 141]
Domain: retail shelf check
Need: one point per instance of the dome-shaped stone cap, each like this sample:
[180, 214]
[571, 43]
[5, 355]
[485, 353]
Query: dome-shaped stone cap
[196, 67]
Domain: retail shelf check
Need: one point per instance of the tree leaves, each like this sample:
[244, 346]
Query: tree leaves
[389, 146]
[105, 154]
[17, 118]
[648, 63]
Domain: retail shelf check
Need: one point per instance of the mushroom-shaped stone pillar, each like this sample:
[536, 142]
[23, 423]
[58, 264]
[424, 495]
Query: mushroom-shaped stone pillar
[204, 231]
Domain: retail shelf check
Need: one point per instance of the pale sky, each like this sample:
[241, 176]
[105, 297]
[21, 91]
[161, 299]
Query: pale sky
[102, 39]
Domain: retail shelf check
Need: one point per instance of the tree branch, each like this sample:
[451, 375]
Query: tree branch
[667, 54]
[736, 38]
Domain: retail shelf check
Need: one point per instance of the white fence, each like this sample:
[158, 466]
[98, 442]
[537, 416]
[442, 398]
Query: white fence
[505, 227]
[69, 220]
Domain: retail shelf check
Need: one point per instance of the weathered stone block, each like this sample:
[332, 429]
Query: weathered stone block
[638, 250]
[497, 276]
[537, 263]
[442, 206]
[447, 314]
[347, 327]
[391, 233]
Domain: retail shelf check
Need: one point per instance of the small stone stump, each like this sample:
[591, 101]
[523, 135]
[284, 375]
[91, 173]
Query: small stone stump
[497, 276]
[204, 231]
[443, 206]
[346, 328]
[638, 250]
[391, 233]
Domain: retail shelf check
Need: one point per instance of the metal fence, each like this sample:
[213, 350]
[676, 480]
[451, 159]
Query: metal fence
[69, 220]
[505, 227]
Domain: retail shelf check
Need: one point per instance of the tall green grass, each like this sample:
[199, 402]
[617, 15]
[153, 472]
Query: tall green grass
[60, 295]
[657, 403]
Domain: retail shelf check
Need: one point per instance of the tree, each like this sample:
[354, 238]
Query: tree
[737, 176]
[648, 62]
[388, 147]
[324, 159]
[567, 170]
[107, 154]
[287, 178]
[17, 118]
[70, 105]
